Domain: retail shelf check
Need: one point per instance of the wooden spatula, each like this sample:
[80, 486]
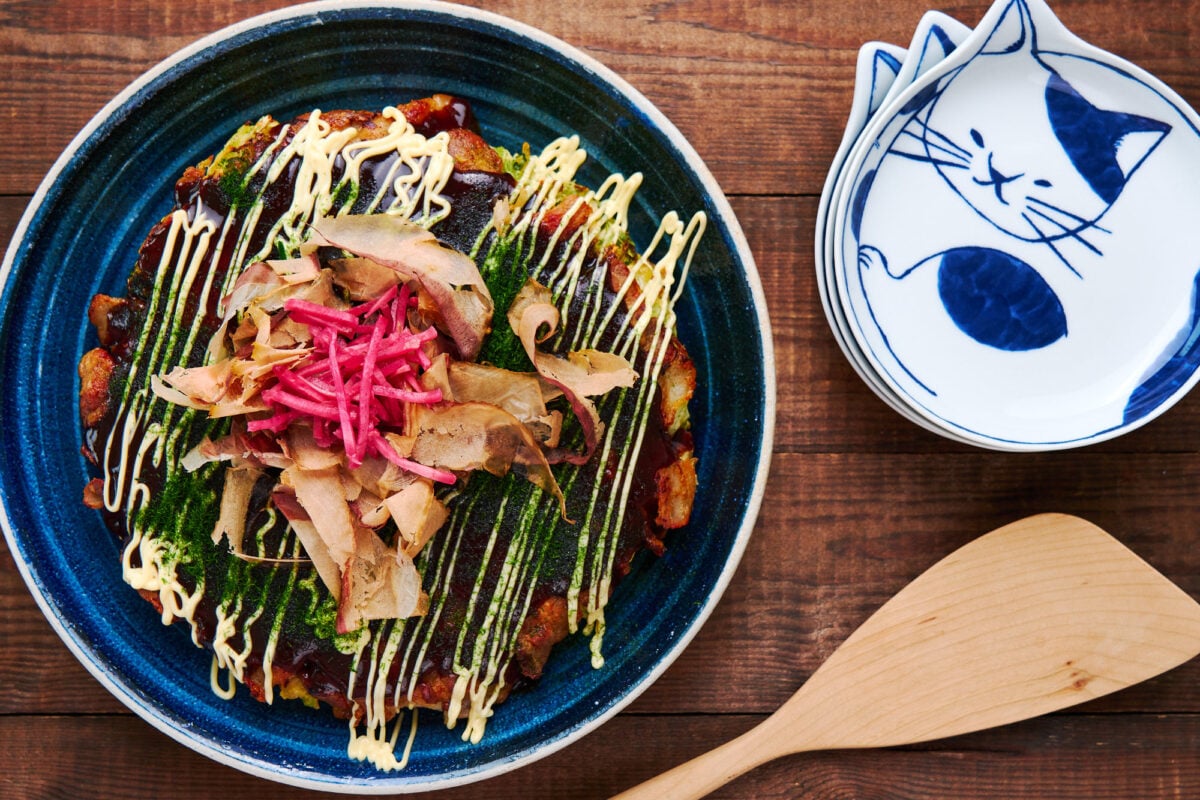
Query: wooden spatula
[1041, 614]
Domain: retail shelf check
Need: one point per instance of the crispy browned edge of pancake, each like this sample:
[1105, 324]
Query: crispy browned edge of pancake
[547, 624]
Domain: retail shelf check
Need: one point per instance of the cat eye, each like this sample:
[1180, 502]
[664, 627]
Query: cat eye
[977, 137]
[1042, 182]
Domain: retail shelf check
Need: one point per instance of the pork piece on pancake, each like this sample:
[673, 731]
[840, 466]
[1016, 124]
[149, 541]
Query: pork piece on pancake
[516, 565]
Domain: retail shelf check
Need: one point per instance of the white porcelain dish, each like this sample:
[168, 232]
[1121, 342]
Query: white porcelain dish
[1014, 242]
[882, 71]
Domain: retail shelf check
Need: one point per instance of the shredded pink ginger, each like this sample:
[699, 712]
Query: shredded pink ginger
[364, 366]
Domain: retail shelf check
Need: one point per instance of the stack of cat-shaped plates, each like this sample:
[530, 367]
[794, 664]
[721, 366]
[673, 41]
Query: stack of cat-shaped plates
[1008, 243]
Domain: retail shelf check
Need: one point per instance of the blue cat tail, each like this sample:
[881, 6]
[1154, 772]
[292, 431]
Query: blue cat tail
[1176, 372]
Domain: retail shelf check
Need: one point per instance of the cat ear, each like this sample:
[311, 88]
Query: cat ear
[874, 73]
[936, 37]
[1105, 147]
[937, 46]
[884, 68]
[1013, 31]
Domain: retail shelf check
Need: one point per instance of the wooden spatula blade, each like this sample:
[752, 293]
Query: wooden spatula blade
[1031, 618]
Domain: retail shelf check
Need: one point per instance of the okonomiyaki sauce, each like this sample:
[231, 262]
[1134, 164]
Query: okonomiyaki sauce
[506, 550]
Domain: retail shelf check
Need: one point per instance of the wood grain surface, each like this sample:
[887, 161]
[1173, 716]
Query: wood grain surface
[859, 500]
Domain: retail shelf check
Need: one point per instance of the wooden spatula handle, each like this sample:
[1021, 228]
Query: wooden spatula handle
[708, 772]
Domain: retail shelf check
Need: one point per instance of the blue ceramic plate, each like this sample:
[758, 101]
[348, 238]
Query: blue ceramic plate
[80, 235]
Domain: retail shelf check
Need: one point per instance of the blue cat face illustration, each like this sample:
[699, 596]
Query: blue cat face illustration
[1047, 194]
[1022, 192]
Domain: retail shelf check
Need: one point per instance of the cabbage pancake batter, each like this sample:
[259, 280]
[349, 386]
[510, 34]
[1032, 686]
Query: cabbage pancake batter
[386, 412]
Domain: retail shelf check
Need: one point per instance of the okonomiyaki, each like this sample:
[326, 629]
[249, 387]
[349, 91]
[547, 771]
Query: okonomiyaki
[385, 411]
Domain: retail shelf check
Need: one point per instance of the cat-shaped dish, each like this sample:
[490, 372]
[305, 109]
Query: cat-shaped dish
[882, 72]
[877, 67]
[1015, 244]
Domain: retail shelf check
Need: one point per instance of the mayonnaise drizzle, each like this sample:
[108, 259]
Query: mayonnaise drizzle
[146, 427]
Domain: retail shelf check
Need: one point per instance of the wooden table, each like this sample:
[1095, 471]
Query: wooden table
[859, 501]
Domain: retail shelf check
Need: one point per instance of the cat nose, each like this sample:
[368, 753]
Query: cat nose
[996, 179]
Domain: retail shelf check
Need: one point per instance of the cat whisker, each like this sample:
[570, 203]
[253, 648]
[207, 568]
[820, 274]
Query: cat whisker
[1072, 232]
[937, 162]
[1062, 211]
[1046, 240]
[946, 141]
[927, 146]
